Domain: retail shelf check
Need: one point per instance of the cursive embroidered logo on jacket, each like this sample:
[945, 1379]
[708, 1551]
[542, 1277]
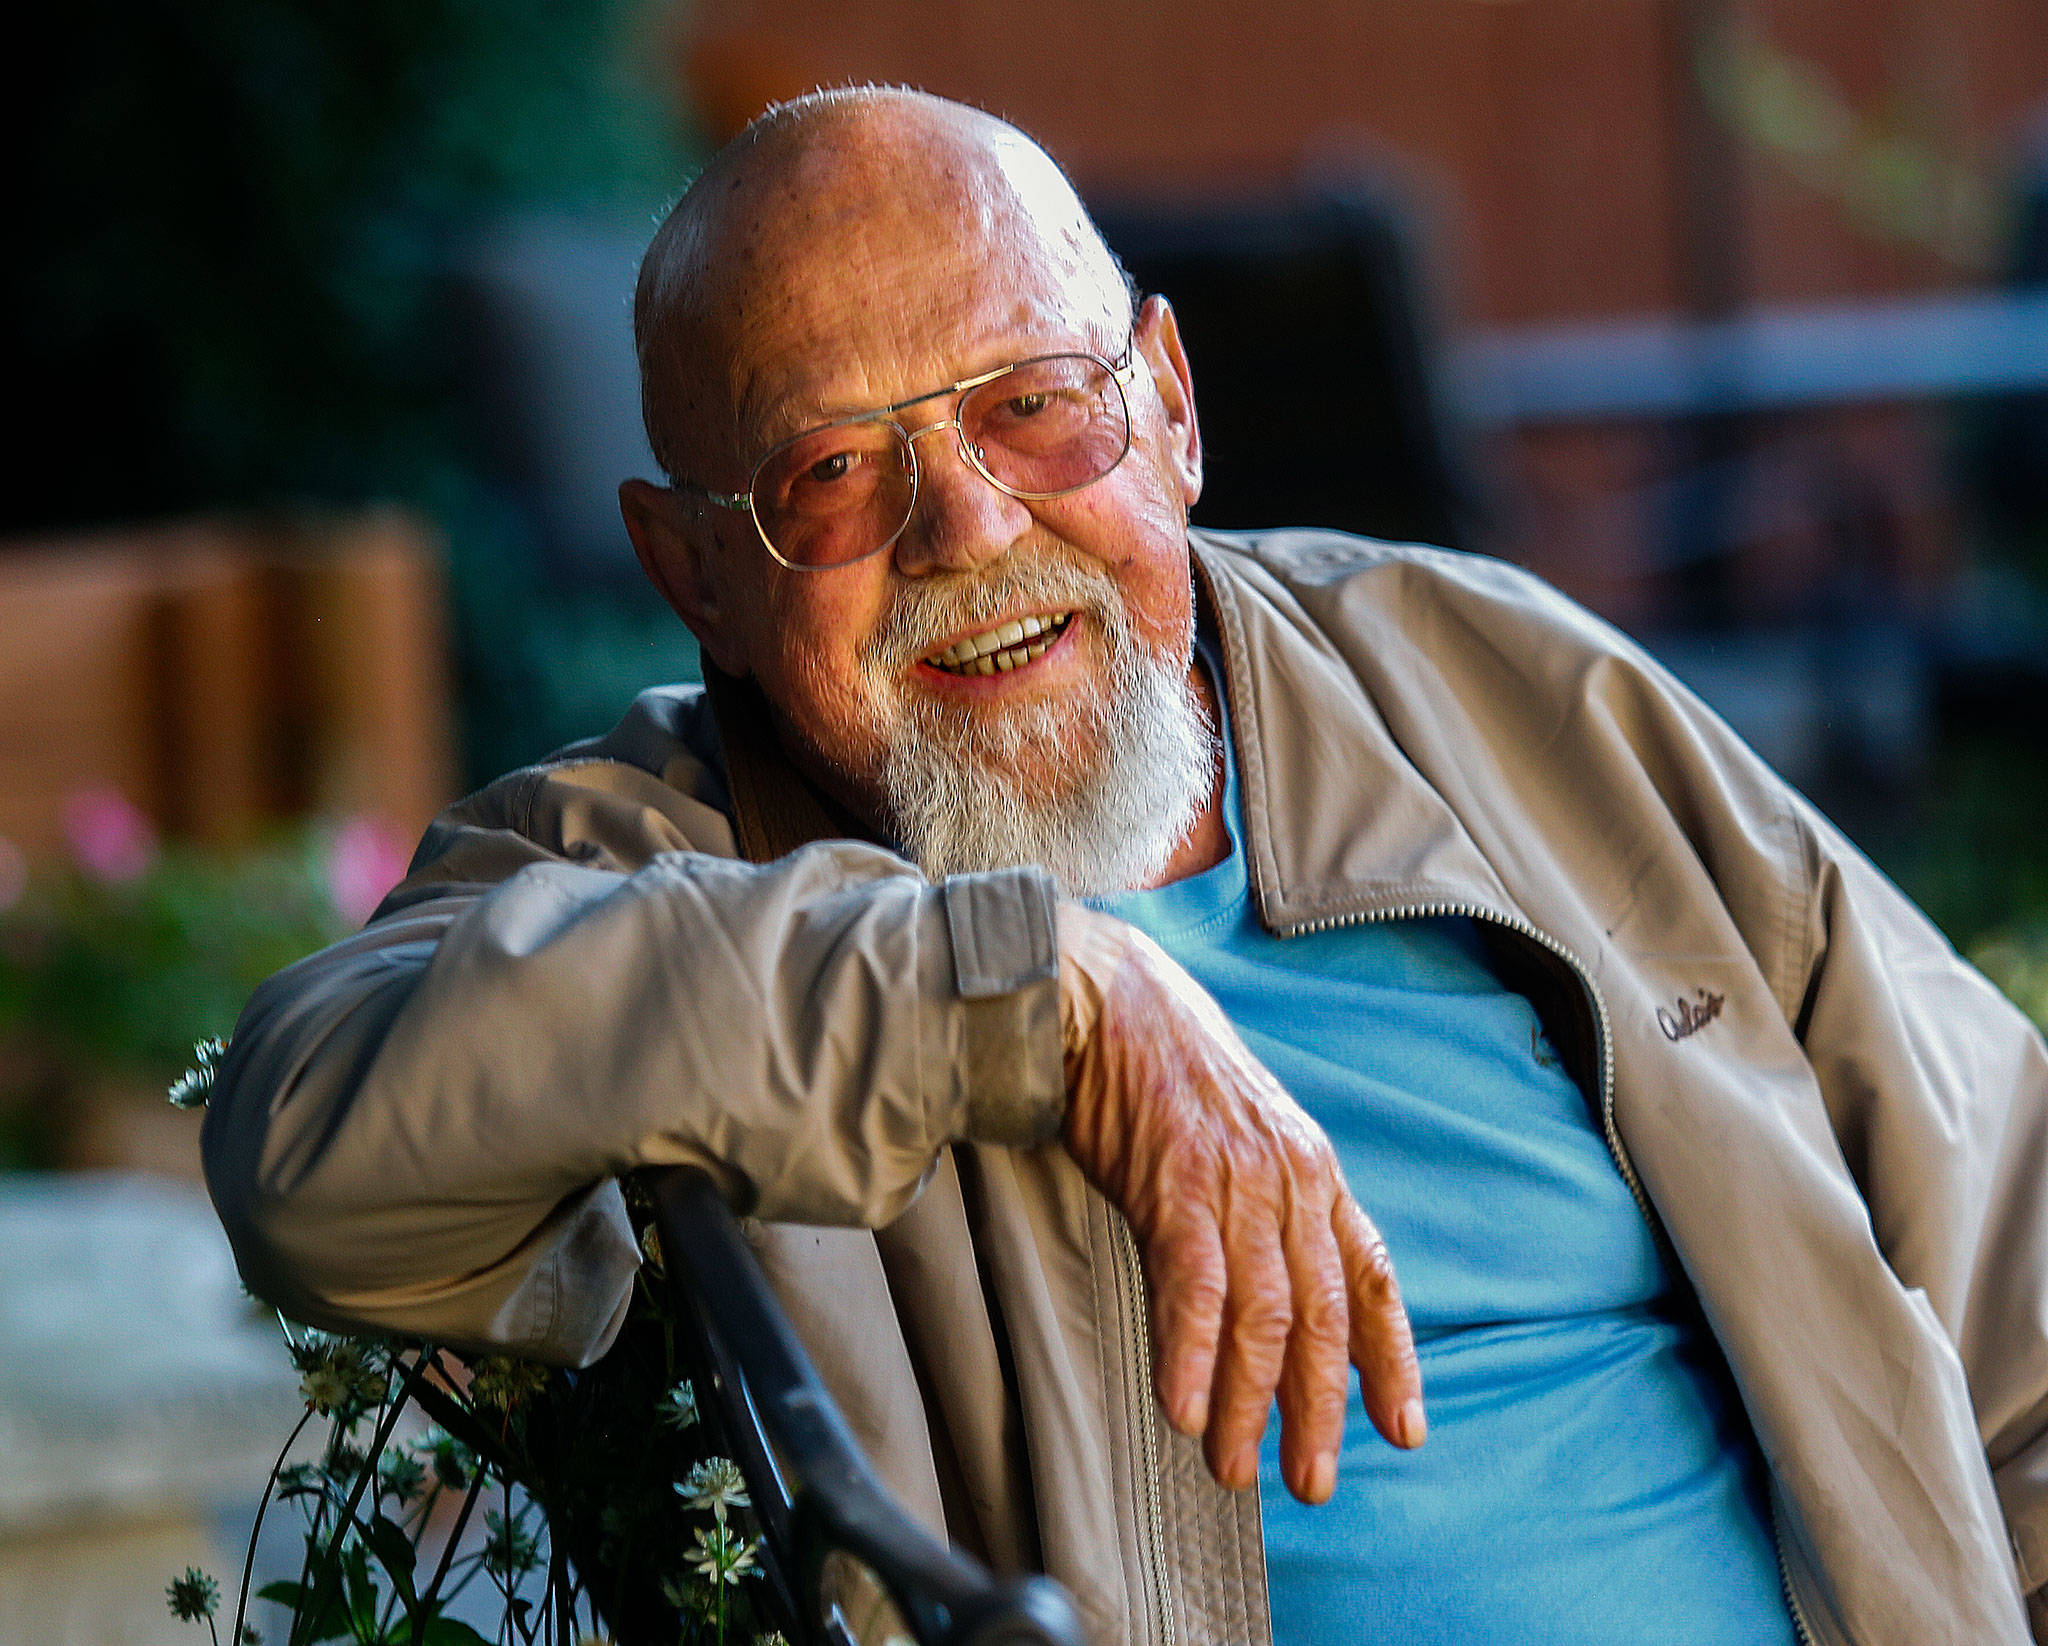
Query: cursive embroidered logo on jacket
[1691, 1016]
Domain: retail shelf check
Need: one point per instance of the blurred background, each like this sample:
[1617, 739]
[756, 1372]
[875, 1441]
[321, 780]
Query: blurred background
[1729, 318]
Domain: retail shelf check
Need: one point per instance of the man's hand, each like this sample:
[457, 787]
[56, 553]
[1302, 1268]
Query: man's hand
[1264, 1273]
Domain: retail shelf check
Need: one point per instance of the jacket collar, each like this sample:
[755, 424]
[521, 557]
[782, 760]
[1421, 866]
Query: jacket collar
[1302, 725]
[775, 808]
[1363, 835]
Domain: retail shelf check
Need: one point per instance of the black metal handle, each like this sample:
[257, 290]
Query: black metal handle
[814, 1492]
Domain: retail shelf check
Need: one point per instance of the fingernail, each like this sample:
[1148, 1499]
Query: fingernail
[1192, 1417]
[1411, 1425]
[1322, 1477]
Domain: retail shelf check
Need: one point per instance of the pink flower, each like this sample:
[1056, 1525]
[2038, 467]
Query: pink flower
[365, 858]
[110, 839]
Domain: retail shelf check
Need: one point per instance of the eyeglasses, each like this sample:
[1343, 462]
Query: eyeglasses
[1038, 429]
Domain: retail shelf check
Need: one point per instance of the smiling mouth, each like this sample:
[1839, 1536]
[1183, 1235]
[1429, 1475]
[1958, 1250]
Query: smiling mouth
[999, 650]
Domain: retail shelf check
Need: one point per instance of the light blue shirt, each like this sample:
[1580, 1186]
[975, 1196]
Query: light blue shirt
[1590, 1476]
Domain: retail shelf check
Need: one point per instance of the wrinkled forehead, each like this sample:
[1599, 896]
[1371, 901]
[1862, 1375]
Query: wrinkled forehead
[856, 275]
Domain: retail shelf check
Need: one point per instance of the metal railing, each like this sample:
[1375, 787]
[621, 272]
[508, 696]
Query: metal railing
[849, 1565]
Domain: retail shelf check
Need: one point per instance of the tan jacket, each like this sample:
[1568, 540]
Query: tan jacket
[419, 1129]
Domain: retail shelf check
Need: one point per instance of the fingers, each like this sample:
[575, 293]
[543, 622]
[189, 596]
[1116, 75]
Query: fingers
[1241, 1314]
[1382, 1343]
[1286, 1332]
[1256, 1305]
[1300, 1305]
[1188, 1284]
[1257, 1319]
[1264, 1275]
[1316, 1377]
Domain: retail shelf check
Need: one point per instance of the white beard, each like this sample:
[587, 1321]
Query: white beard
[957, 790]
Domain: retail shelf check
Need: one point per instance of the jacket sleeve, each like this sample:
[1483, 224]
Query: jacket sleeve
[419, 1129]
[1938, 1091]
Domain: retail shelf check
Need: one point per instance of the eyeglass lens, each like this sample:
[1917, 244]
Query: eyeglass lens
[1042, 429]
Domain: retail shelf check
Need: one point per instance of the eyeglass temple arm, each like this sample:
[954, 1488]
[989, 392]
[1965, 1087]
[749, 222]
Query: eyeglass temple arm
[813, 1489]
[739, 502]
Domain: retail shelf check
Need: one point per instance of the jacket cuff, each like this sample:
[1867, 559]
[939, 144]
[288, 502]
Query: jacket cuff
[1005, 955]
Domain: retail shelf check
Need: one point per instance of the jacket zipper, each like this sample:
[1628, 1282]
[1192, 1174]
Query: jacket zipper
[1138, 1326]
[1800, 1632]
[1604, 1033]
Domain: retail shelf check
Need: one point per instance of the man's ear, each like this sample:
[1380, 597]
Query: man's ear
[1158, 338]
[677, 550]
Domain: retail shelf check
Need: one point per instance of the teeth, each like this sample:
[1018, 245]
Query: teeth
[1002, 649]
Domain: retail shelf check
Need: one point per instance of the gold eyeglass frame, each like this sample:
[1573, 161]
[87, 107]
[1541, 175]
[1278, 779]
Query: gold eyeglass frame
[1120, 374]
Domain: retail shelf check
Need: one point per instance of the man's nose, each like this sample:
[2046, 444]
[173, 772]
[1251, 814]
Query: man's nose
[961, 521]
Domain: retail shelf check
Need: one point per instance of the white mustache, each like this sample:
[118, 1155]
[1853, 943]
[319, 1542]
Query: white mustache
[930, 611]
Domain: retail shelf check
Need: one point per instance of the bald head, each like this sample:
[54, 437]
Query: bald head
[808, 213]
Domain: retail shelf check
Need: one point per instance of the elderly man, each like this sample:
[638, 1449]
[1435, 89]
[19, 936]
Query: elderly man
[1713, 1177]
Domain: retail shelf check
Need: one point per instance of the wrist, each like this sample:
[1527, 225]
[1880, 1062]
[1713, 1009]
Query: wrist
[1092, 948]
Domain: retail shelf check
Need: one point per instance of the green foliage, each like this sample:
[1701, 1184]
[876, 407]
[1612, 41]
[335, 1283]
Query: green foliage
[2016, 959]
[129, 974]
[585, 1500]
[119, 977]
[1973, 854]
[235, 210]
[102, 976]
